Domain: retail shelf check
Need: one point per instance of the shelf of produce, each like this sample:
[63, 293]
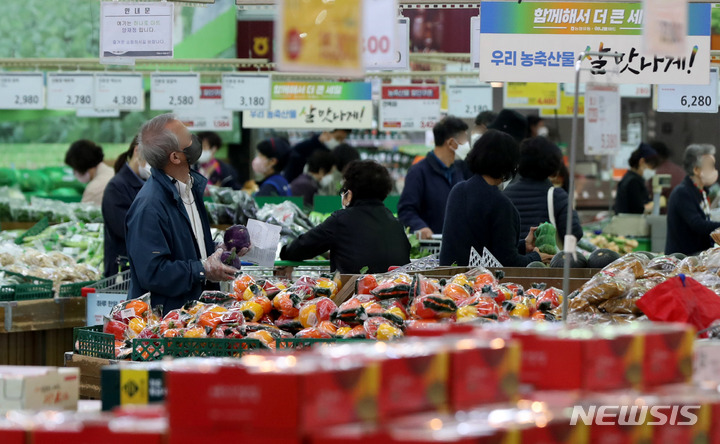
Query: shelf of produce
[39, 332]
[7, 226]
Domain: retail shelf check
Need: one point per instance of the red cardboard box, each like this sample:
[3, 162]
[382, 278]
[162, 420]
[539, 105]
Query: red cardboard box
[223, 397]
[621, 434]
[557, 432]
[12, 436]
[574, 360]
[94, 435]
[483, 373]
[668, 354]
[406, 433]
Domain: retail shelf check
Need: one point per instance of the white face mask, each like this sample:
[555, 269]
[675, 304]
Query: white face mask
[205, 157]
[543, 131]
[145, 171]
[326, 181]
[648, 174]
[462, 151]
[505, 184]
[343, 196]
[82, 178]
[332, 143]
[260, 167]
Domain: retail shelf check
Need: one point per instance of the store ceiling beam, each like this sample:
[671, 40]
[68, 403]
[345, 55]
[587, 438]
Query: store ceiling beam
[140, 64]
[438, 4]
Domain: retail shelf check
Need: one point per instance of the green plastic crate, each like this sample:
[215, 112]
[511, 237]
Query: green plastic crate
[300, 343]
[327, 204]
[91, 341]
[391, 202]
[153, 349]
[30, 288]
[34, 230]
[73, 290]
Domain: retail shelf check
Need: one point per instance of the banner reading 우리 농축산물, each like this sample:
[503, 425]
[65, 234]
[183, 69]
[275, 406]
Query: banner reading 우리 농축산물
[540, 42]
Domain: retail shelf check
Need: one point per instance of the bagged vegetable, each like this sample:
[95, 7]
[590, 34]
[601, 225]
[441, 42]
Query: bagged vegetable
[546, 238]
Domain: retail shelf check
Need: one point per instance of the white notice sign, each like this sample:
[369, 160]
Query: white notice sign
[665, 27]
[475, 42]
[264, 239]
[379, 36]
[689, 98]
[409, 108]
[138, 30]
[122, 91]
[70, 90]
[174, 91]
[22, 90]
[468, 97]
[242, 92]
[602, 119]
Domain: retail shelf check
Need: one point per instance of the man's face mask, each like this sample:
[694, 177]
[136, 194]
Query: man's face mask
[194, 151]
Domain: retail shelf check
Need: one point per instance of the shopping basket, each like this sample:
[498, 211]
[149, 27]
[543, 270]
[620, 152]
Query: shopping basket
[104, 294]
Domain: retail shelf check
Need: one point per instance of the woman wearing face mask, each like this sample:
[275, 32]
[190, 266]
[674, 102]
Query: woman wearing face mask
[86, 160]
[319, 175]
[688, 218]
[479, 215]
[217, 172]
[633, 196]
[131, 172]
[364, 233]
[272, 155]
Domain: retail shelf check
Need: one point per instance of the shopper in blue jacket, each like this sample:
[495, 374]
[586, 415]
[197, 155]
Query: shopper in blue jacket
[428, 183]
[172, 254]
[479, 215]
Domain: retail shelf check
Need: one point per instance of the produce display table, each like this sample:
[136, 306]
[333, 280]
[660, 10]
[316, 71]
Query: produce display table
[39, 332]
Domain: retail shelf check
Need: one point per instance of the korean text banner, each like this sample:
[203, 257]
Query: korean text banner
[315, 105]
[540, 42]
[320, 36]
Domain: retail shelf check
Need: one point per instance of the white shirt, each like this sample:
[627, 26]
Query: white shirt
[191, 207]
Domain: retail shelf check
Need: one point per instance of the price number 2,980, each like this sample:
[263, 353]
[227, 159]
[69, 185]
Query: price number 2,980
[691, 101]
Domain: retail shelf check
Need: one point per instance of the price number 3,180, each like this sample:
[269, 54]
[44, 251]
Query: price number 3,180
[125, 100]
[475, 109]
[252, 101]
[690, 101]
[27, 99]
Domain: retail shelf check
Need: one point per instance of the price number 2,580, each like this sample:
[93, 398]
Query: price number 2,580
[690, 101]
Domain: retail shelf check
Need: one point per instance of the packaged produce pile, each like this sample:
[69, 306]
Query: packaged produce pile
[612, 294]
[14, 207]
[618, 244]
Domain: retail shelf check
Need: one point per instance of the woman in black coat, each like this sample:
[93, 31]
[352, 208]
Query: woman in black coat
[479, 215]
[633, 196]
[364, 233]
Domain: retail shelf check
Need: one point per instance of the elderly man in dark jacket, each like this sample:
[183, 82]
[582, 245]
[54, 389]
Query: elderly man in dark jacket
[428, 183]
[540, 159]
[168, 231]
[688, 219]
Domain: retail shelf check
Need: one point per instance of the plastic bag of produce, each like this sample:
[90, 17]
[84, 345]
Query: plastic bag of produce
[381, 329]
[394, 286]
[661, 266]
[603, 286]
[633, 262]
[134, 308]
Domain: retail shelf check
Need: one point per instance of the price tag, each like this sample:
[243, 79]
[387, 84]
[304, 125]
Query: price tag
[138, 30]
[22, 90]
[475, 42]
[246, 92]
[210, 115]
[70, 90]
[122, 91]
[468, 97]
[689, 98]
[409, 108]
[400, 61]
[174, 91]
[640, 90]
[602, 119]
[379, 46]
[97, 113]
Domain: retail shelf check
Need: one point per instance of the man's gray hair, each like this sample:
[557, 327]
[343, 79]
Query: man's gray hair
[156, 142]
[694, 154]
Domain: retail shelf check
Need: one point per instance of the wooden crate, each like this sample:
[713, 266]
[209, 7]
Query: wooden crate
[90, 370]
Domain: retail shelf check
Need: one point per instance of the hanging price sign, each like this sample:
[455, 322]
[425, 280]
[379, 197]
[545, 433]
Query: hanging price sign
[122, 91]
[689, 98]
[409, 108]
[174, 91]
[468, 97]
[602, 119]
[210, 115]
[246, 92]
[22, 91]
[70, 90]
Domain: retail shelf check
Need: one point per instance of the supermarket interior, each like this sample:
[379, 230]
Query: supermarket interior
[346, 221]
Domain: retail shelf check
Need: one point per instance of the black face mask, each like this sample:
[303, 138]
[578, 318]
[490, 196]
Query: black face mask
[194, 151]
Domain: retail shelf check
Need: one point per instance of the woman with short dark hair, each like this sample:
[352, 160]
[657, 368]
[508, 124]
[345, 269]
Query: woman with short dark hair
[86, 159]
[364, 233]
[479, 215]
[533, 193]
[633, 196]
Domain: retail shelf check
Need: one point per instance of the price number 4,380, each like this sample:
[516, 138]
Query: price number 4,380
[125, 100]
[690, 101]
[29, 99]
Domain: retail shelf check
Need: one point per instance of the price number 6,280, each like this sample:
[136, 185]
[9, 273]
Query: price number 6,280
[690, 101]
